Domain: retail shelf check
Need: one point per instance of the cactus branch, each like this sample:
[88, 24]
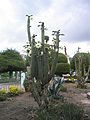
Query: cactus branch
[28, 29]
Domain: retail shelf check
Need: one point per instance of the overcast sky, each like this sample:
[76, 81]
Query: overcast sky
[72, 17]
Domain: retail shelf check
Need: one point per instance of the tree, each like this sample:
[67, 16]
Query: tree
[11, 60]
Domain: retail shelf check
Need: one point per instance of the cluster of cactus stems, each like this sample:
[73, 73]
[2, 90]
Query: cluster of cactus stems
[79, 70]
[82, 75]
[41, 74]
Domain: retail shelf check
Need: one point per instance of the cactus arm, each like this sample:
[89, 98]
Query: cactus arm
[42, 34]
[45, 66]
[28, 29]
[33, 58]
[56, 50]
[40, 75]
[54, 61]
[43, 47]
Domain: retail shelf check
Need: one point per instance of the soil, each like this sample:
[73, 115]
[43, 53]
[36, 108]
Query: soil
[78, 96]
[20, 107]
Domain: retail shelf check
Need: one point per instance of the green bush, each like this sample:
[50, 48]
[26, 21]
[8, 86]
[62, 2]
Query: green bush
[14, 90]
[66, 111]
[3, 95]
[2, 91]
[62, 68]
[62, 58]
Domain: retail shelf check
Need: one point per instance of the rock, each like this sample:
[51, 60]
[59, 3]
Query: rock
[86, 118]
[9, 99]
[88, 95]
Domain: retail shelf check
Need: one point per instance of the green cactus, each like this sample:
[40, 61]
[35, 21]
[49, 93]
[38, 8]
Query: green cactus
[28, 29]
[40, 72]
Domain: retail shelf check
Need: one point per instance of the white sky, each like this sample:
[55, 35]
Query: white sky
[71, 16]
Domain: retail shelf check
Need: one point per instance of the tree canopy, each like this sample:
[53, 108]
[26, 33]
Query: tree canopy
[11, 60]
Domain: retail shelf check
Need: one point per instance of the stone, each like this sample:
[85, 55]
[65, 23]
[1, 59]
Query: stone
[88, 95]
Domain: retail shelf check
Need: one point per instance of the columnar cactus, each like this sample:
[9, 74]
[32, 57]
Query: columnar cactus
[28, 28]
[81, 69]
[40, 72]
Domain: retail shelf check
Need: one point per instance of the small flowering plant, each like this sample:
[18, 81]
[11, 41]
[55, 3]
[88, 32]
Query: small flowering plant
[14, 90]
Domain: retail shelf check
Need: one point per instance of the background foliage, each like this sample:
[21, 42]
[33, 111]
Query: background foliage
[62, 66]
[11, 60]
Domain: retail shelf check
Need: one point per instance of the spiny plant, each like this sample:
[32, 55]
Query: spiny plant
[81, 69]
[41, 73]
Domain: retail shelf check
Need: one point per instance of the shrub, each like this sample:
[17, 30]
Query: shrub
[66, 111]
[62, 58]
[3, 95]
[14, 90]
[62, 68]
[2, 91]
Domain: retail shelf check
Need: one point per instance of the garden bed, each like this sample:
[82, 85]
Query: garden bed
[20, 107]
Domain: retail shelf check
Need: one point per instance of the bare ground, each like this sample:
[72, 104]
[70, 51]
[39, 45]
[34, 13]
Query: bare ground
[20, 107]
[17, 108]
[78, 96]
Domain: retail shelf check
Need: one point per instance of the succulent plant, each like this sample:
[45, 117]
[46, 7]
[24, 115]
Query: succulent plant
[41, 74]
